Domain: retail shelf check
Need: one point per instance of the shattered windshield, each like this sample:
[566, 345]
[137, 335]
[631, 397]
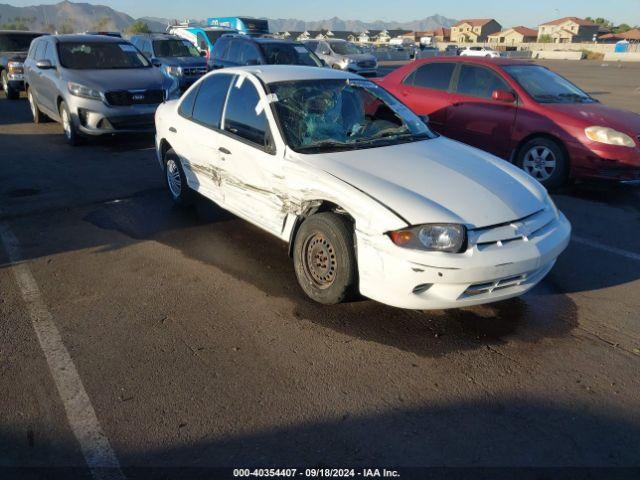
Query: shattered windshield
[546, 86]
[332, 115]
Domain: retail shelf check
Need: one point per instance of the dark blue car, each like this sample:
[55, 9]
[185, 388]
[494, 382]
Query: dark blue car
[180, 61]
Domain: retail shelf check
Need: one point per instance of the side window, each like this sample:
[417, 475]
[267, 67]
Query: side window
[202, 42]
[209, 103]
[49, 54]
[186, 107]
[324, 49]
[479, 82]
[434, 75]
[32, 50]
[249, 54]
[241, 118]
[234, 52]
[313, 46]
[38, 54]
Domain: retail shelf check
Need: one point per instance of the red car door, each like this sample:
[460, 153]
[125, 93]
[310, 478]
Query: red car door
[483, 110]
[426, 92]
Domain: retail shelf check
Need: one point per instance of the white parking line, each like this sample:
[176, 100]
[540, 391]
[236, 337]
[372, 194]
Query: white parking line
[606, 248]
[95, 446]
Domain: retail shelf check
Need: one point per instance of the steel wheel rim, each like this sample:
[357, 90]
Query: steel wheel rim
[173, 178]
[66, 123]
[319, 260]
[32, 105]
[540, 162]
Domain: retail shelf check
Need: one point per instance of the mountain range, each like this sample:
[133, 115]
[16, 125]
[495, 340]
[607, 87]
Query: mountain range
[81, 17]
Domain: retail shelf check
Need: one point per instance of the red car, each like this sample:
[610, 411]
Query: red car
[525, 113]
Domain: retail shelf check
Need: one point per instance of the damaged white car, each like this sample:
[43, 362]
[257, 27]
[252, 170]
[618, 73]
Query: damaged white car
[369, 199]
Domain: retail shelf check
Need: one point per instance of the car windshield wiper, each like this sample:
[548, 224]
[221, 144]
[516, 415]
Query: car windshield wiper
[390, 139]
[330, 144]
[575, 96]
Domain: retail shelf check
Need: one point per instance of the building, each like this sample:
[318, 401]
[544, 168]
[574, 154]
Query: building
[474, 30]
[382, 36]
[568, 30]
[440, 34]
[514, 35]
[632, 36]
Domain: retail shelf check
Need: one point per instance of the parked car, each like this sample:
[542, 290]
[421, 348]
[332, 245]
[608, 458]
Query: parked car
[525, 113]
[178, 58]
[92, 84]
[239, 50]
[108, 34]
[203, 38]
[452, 50]
[344, 55]
[479, 52]
[366, 195]
[14, 46]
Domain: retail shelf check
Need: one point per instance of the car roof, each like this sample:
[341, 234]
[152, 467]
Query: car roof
[73, 38]
[22, 32]
[287, 73]
[503, 62]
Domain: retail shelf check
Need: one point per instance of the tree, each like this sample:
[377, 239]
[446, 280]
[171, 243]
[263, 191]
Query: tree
[101, 25]
[138, 27]
[623, 27]
[545, 39]
[66, 27]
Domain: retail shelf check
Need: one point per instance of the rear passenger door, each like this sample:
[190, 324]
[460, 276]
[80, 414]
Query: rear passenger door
[47, 90]
[427, 92]
[199, 138]
[253, 181]
[475, 117]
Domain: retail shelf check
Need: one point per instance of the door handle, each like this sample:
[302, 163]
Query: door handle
[173, 130]
[224, 151]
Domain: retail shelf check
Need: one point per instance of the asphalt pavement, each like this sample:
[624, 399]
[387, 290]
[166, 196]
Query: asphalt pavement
[172, 341]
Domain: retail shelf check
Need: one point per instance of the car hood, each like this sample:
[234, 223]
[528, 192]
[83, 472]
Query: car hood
[359, 57]
[438, 181]
[118, 79]
[597, 114]
[184, 61]
[14, 56]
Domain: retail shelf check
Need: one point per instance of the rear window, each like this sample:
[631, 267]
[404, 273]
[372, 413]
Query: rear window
[174, 48]
[16, 42]
[289, 54]
[100, 56]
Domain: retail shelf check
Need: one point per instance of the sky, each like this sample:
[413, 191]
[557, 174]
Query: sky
[507, 12]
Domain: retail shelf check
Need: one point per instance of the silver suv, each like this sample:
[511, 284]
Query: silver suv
[92, 84]
[344, 55]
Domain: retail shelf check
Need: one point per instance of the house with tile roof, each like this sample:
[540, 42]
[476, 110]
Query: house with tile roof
[569, 30]
[474, 30]
[514, 35]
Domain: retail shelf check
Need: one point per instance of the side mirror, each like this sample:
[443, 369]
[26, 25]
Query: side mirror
[203, 53]
[425, 119]
[503, 96]
[155, 62]
[44, 64]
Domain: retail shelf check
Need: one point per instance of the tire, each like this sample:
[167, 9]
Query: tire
[37, 115]
[536, 158]
[176, 180]
[71, 133]
[324, 258]
[10, 92]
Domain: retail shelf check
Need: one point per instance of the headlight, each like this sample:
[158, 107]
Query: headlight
[173, 71]
[437, 237]
[15, 68]
[609, 136]
[84, 92]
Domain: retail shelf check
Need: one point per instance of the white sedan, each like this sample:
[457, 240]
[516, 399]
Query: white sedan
[479, 52]
[369, 199]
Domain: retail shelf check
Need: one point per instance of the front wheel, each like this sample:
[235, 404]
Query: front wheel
[545, 160]
[71, 133]
[324, 258]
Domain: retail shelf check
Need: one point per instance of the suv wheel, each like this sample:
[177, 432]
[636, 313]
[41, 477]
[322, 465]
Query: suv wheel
[544, 160]
[71, 133]
[10, 92]
[324, 258]
[37, 115]
[176, 180]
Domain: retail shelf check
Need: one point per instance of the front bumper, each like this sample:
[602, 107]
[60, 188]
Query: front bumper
[16, 81]
[433, 280]
[605, 162]
[95, 118]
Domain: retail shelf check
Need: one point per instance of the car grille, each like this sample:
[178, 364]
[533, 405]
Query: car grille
[194, 71]
[367, 64]
[487, 288]
[125, 98]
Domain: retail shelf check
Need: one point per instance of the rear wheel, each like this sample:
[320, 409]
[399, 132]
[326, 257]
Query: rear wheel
[324, 258]
[38, 116]
[176, 181]
[545, 160]
[11, 92]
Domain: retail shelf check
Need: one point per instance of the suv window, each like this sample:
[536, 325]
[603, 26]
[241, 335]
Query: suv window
[33, 48]
[240, 115]
[221, 49]
[432, 75]
[202, 42]
[49, 53]
[313, 46]
[40, 52]
[248, 53]
[209, 103]
[479, 82]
